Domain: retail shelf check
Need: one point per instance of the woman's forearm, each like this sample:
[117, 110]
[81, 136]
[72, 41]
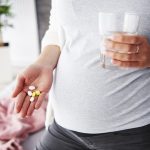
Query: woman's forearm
[49, 56]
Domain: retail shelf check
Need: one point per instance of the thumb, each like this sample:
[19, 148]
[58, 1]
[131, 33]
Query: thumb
[19, 85]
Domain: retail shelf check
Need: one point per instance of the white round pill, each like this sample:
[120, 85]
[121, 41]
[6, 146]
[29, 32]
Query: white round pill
[31, 99]
[29, 93]
[31, 87]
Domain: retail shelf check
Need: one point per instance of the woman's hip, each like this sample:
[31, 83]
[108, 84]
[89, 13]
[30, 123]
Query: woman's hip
[57, 137]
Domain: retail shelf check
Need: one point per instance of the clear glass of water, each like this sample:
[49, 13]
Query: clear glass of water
[112, 23]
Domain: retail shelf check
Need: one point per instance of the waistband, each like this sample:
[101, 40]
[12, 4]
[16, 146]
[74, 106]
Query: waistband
[138, 130]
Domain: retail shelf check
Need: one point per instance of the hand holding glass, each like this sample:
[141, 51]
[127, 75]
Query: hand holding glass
[112, 23]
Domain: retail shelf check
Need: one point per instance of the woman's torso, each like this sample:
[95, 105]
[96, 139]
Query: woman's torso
[85, 97]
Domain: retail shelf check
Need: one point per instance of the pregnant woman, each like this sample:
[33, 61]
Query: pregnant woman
[95, 108]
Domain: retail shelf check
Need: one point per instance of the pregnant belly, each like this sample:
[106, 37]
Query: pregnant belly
[110, 94]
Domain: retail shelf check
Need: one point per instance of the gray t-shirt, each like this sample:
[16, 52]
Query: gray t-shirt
[85, 97]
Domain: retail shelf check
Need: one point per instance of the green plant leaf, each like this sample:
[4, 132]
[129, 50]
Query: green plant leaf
[5, 12]
[5, 9]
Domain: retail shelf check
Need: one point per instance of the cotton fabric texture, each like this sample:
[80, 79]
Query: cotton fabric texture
[85, 97]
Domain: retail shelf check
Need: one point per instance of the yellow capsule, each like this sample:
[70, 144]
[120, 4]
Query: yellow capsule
[37, 92]
[33, 94]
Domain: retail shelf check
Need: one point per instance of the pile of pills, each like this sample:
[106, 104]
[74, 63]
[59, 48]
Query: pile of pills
[33, 93]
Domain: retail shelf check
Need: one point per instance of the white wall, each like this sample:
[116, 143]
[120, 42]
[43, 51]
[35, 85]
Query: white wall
[23, 37]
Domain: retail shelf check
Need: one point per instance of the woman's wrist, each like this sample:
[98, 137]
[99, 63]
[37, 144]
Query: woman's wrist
[49, 57]
[43, 63]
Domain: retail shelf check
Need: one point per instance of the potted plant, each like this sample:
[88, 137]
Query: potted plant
[5, 63]
[5, 13]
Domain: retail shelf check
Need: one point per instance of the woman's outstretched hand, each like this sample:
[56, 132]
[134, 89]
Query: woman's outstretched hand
[37, 75]
[128, 51]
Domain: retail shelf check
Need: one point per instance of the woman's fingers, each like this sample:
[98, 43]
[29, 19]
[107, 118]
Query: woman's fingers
[128, 39]
[121, 47]
[25, 106]
[19, 85]
[40, 100]
[34, 105]
[128, 64]
[31, 107]
[128, 51]
[124, 57]
[19, 100]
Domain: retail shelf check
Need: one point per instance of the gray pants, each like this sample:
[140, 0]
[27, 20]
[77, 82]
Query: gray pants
[59, 138]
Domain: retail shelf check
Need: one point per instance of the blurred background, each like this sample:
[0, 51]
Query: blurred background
[22, 27]
[21, 32]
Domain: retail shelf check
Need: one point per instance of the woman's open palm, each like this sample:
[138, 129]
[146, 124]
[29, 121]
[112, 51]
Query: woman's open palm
[37, 75]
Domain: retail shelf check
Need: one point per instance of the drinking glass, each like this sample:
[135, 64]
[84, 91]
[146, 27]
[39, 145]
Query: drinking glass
[112, 23]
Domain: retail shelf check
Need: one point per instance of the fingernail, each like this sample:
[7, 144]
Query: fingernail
[16, 111]
[12, 97]
[111, 37]
[36, 107]
[113, 61]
